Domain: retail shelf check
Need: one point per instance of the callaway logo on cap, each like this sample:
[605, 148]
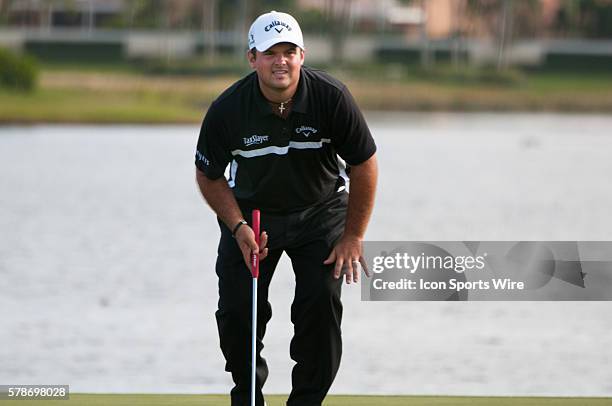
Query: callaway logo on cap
[271, 28]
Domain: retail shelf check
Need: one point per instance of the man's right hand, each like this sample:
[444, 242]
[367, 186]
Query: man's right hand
[245, 236]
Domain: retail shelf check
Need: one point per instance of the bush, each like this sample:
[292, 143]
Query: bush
[18, 72]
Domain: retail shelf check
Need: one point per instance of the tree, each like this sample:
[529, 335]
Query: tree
[591, 18]
[338, 12]
[4, 7]
[504, 21]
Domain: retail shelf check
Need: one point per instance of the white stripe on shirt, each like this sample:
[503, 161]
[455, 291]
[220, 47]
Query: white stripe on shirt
[281, 150]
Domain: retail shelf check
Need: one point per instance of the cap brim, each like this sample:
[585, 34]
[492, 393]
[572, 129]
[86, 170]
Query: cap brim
[264, 46]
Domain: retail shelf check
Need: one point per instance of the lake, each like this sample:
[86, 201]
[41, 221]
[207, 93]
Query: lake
[107, 258]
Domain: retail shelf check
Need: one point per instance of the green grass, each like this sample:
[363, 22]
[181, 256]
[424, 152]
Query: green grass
[85, 97]
[72, 94]
[55, 106]
[598, 82]
[279, 400]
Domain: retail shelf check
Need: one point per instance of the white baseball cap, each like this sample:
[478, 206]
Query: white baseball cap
[271, 28]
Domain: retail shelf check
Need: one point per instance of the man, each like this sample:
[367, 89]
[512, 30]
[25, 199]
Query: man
[280, 129]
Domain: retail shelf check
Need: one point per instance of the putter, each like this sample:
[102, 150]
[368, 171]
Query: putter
[255, 274]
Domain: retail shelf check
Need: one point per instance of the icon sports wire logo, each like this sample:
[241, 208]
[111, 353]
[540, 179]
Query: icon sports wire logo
[488, 270]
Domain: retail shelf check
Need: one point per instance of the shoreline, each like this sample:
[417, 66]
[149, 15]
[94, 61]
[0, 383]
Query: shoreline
[368, 113]
[82, 97]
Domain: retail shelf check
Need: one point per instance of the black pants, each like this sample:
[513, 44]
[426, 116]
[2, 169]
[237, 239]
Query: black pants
[316, 312]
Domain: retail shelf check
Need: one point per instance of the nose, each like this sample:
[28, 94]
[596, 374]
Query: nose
[280, 59]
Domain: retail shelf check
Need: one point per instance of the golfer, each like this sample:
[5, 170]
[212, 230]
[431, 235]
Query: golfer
[286, 132]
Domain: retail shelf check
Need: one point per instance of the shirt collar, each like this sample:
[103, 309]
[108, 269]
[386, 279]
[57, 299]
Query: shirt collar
[299, 98]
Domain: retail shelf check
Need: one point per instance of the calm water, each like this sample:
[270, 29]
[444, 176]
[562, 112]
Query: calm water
[107, 254]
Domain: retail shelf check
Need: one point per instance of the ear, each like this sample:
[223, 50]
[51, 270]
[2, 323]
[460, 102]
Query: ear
[302, 55]
[251, 58]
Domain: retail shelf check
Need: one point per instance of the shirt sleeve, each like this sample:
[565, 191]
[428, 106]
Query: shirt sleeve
[351, 135]
[212, 154]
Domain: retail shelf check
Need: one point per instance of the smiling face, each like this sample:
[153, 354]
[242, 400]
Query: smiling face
[278, 70]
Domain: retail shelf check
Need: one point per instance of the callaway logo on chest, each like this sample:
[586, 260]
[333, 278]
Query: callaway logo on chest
[306, 131]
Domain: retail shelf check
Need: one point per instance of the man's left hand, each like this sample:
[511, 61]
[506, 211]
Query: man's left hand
[348, 256]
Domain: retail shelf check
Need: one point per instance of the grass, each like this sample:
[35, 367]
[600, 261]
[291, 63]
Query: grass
[107, 94]
[279, 400]
[84, 97]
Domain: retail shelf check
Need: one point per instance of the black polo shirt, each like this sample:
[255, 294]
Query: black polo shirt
[283, 165]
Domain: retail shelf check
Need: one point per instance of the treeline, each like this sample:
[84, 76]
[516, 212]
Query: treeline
[584, 18]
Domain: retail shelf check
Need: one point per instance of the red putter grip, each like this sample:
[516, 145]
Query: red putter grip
[255, 256]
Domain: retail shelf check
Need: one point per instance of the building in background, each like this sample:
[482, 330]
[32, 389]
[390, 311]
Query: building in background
[502, 32]
[439, 19]
[443, 19]
[63, 14]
